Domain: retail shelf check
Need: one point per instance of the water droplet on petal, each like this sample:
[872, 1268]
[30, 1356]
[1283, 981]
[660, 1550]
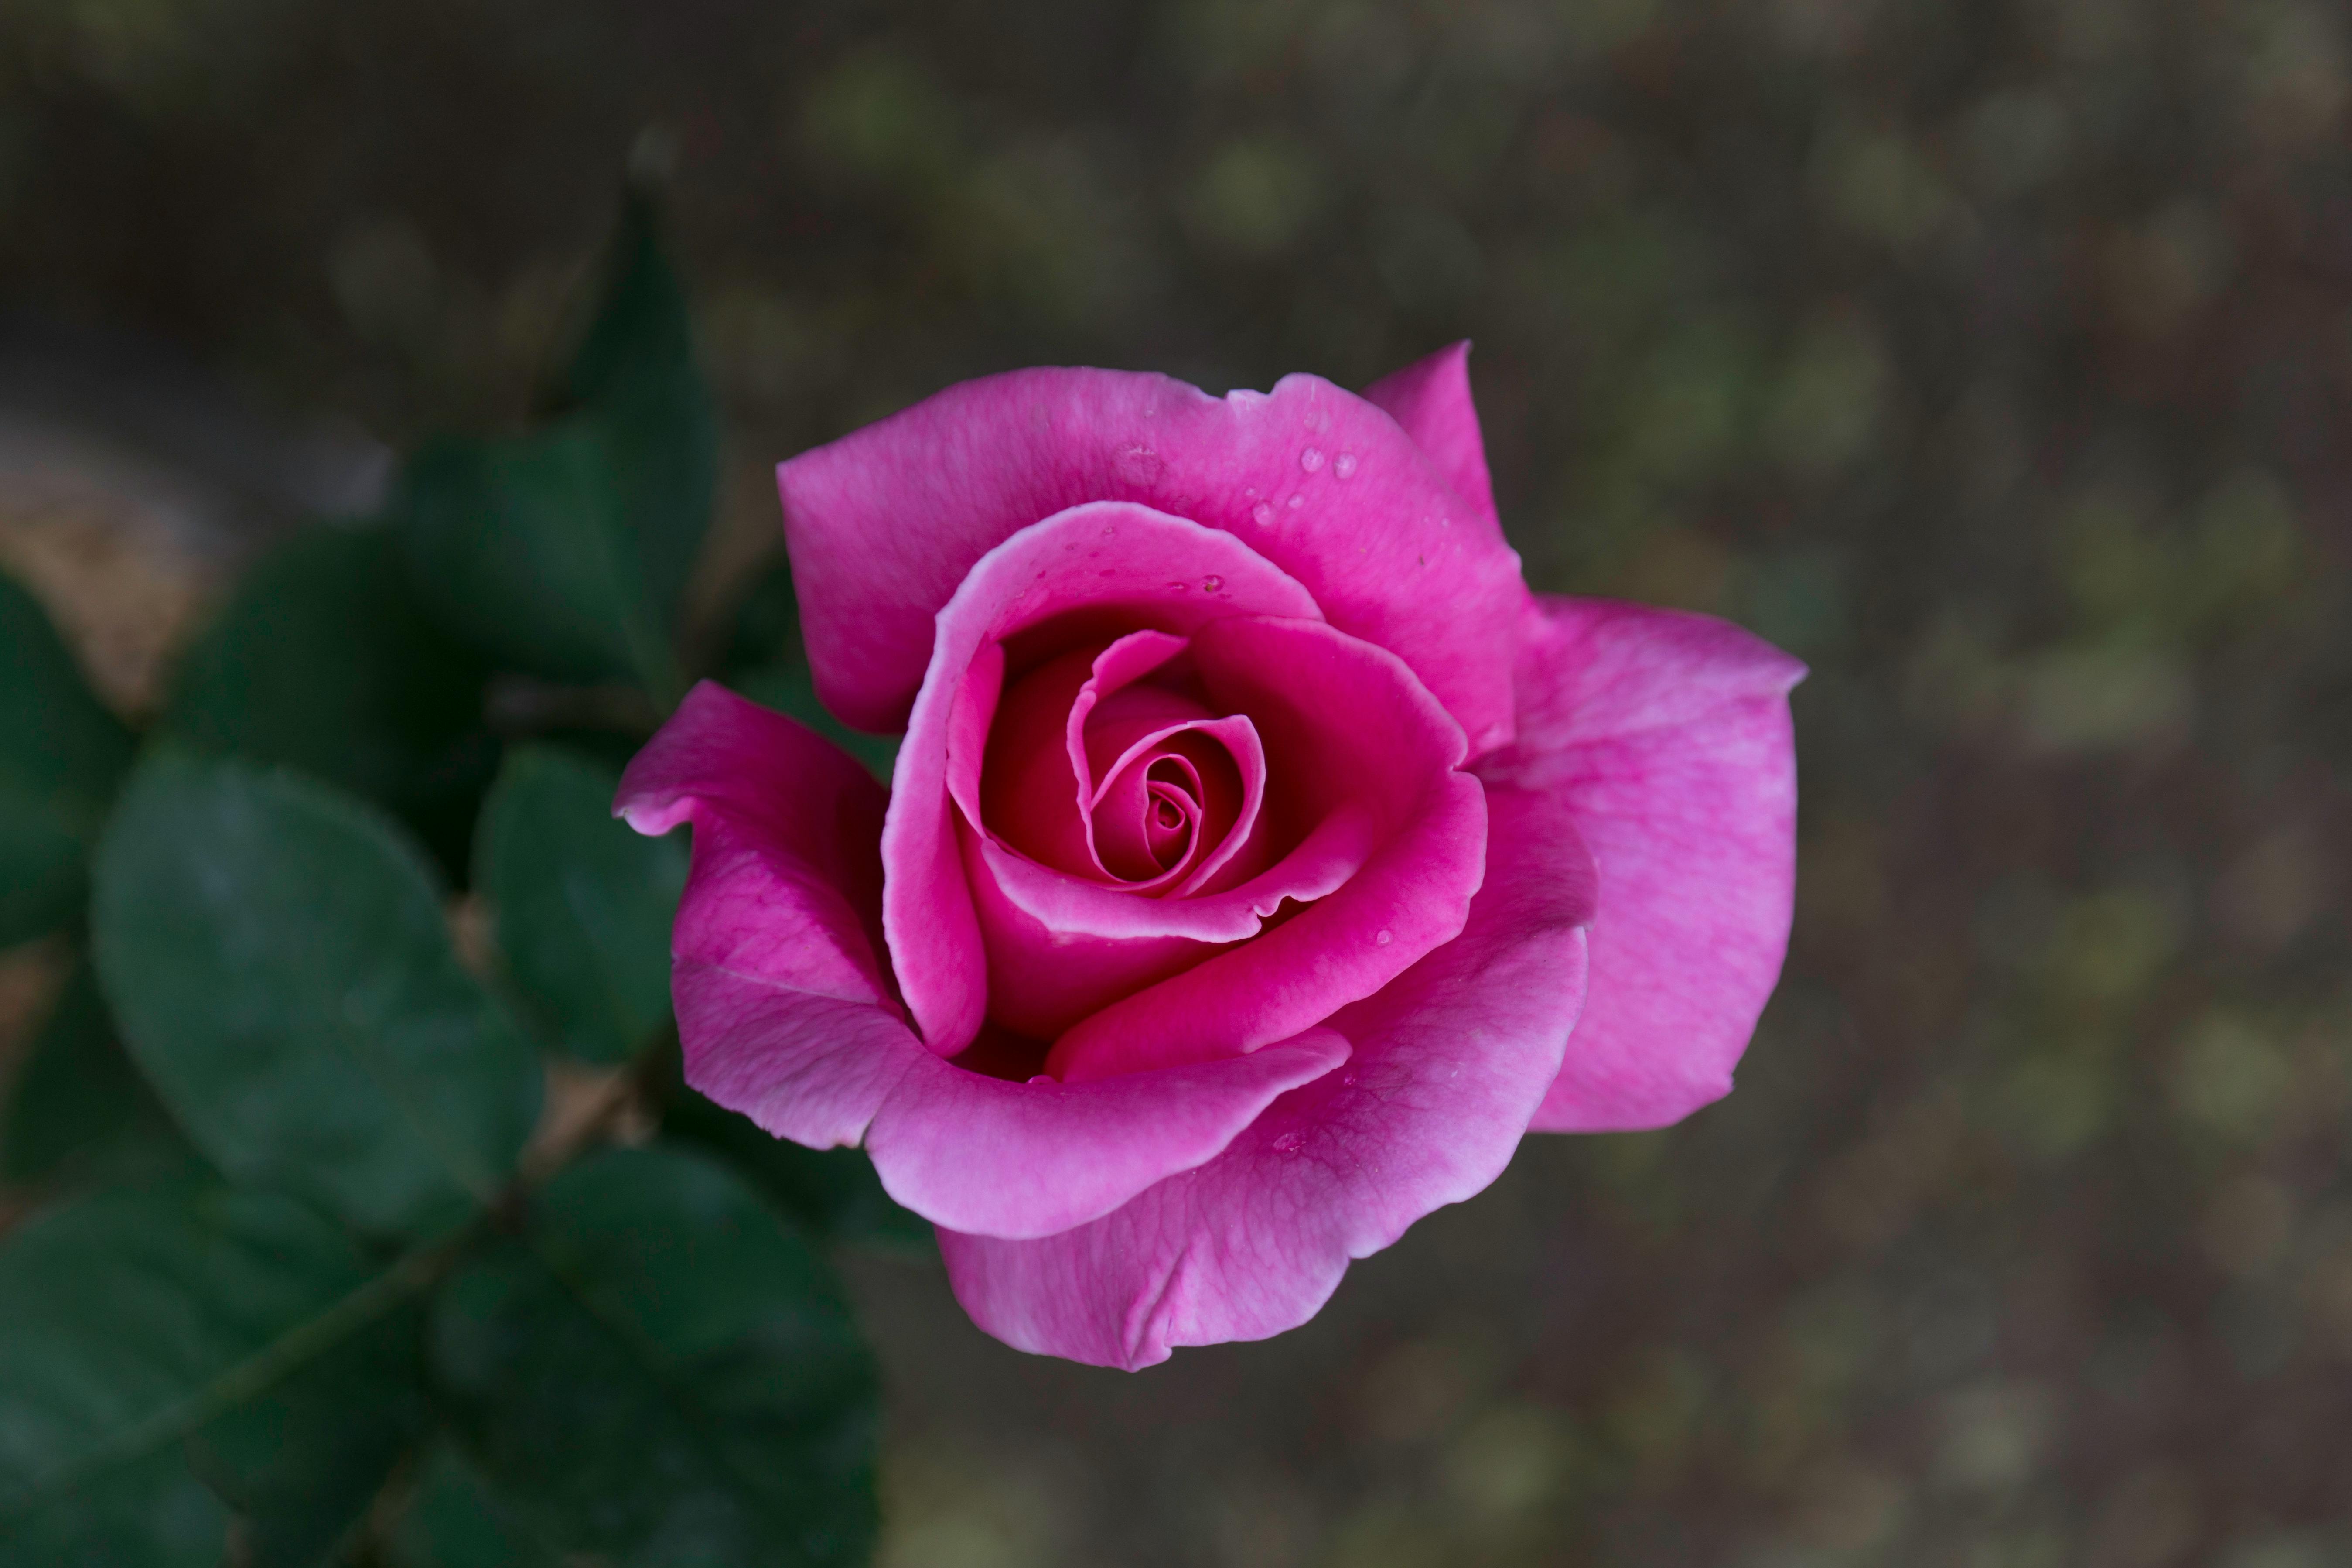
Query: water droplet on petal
[1211, 585]
[1385, 939]
[1109, 529]
[1311, 458]
[1297, 501]
[1287, 1143]
[1180, 587]
[1263, 514]
[1140, 466]
[1344, 465]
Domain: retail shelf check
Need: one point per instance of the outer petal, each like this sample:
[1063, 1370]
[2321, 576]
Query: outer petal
[1431, 398]
[784, 1015]
[1162, 571]
[883, 524]
[785, 885]
[1450, 1061]
[962, 1148]
[1668, 735]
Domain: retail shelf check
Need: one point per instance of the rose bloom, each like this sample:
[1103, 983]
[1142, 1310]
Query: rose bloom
[1262, 859]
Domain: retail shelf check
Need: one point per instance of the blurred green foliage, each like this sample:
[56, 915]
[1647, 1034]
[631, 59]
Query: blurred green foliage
[582, 912]
[313, 1280]
[66, 756]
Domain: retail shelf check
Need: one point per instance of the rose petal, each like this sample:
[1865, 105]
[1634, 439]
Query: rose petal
[1040, 982]
[1450, 1061]
[1160, 571]
[1343, 721]
[784, 1015]
[1431, 398]
[1219, 778]
[961, 1148]
[884, 523]
[1668, 735]
[1065, 906]
[1057, 739]
[774, 801]
[1010, 765]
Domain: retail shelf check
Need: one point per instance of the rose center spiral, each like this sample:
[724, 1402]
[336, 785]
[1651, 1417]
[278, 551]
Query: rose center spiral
[1111, 767]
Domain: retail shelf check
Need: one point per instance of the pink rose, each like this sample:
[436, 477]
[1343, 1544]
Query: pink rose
[1256, 842]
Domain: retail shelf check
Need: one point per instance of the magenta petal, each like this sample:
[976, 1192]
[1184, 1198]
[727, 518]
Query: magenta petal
[1221, 766]
[1431, 398]
[1350, 722]
[1173, 574]
[812, 1068]
[884, 523]
[979, 1154]
[964, 1150]
[786, 886]
[1041, 980]
[1067, 905]
[1449, 1063]
[785, 1016]
[1668, 735]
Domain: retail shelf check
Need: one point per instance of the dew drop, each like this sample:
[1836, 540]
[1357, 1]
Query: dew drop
[1211, 585]
[1140, 466]
[1109, 529]
[1344, 465]
[1311, 458]
[1287, 1143]
[1385, 939]
[1180, 587]
[1297, 501]
[1263, 514]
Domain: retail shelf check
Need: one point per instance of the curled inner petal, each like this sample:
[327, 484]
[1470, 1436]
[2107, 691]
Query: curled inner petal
[1170, 826]
[1146, 819]
[1116, 564]
[1104, 763]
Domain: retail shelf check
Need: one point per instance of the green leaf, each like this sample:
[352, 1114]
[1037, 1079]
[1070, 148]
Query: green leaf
[327, 662]
[767, 663]
[565, 553]
[581, 905]
[637, 369]
[303, 1462]
[453, 1521]
[661, 1371]
[134, 1320]
[276, 958]
[147, 1512]
[524, 548]
[80, 1111]
[833, 1192]
[61, 757]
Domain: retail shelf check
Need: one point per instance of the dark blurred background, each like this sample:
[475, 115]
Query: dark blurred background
[1994, 358]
